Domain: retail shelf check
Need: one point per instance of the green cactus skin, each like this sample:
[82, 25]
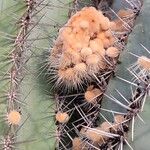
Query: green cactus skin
[37, 128]
[141, 130]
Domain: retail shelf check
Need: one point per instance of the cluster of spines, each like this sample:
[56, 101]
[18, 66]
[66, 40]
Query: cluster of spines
[81, 104]
[105, 136]
[114, 135]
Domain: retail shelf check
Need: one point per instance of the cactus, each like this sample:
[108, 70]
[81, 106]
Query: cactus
[128, 59]
[23, 25]
[50, 96]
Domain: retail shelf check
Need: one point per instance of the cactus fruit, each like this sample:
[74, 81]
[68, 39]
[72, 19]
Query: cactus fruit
[86, 67]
